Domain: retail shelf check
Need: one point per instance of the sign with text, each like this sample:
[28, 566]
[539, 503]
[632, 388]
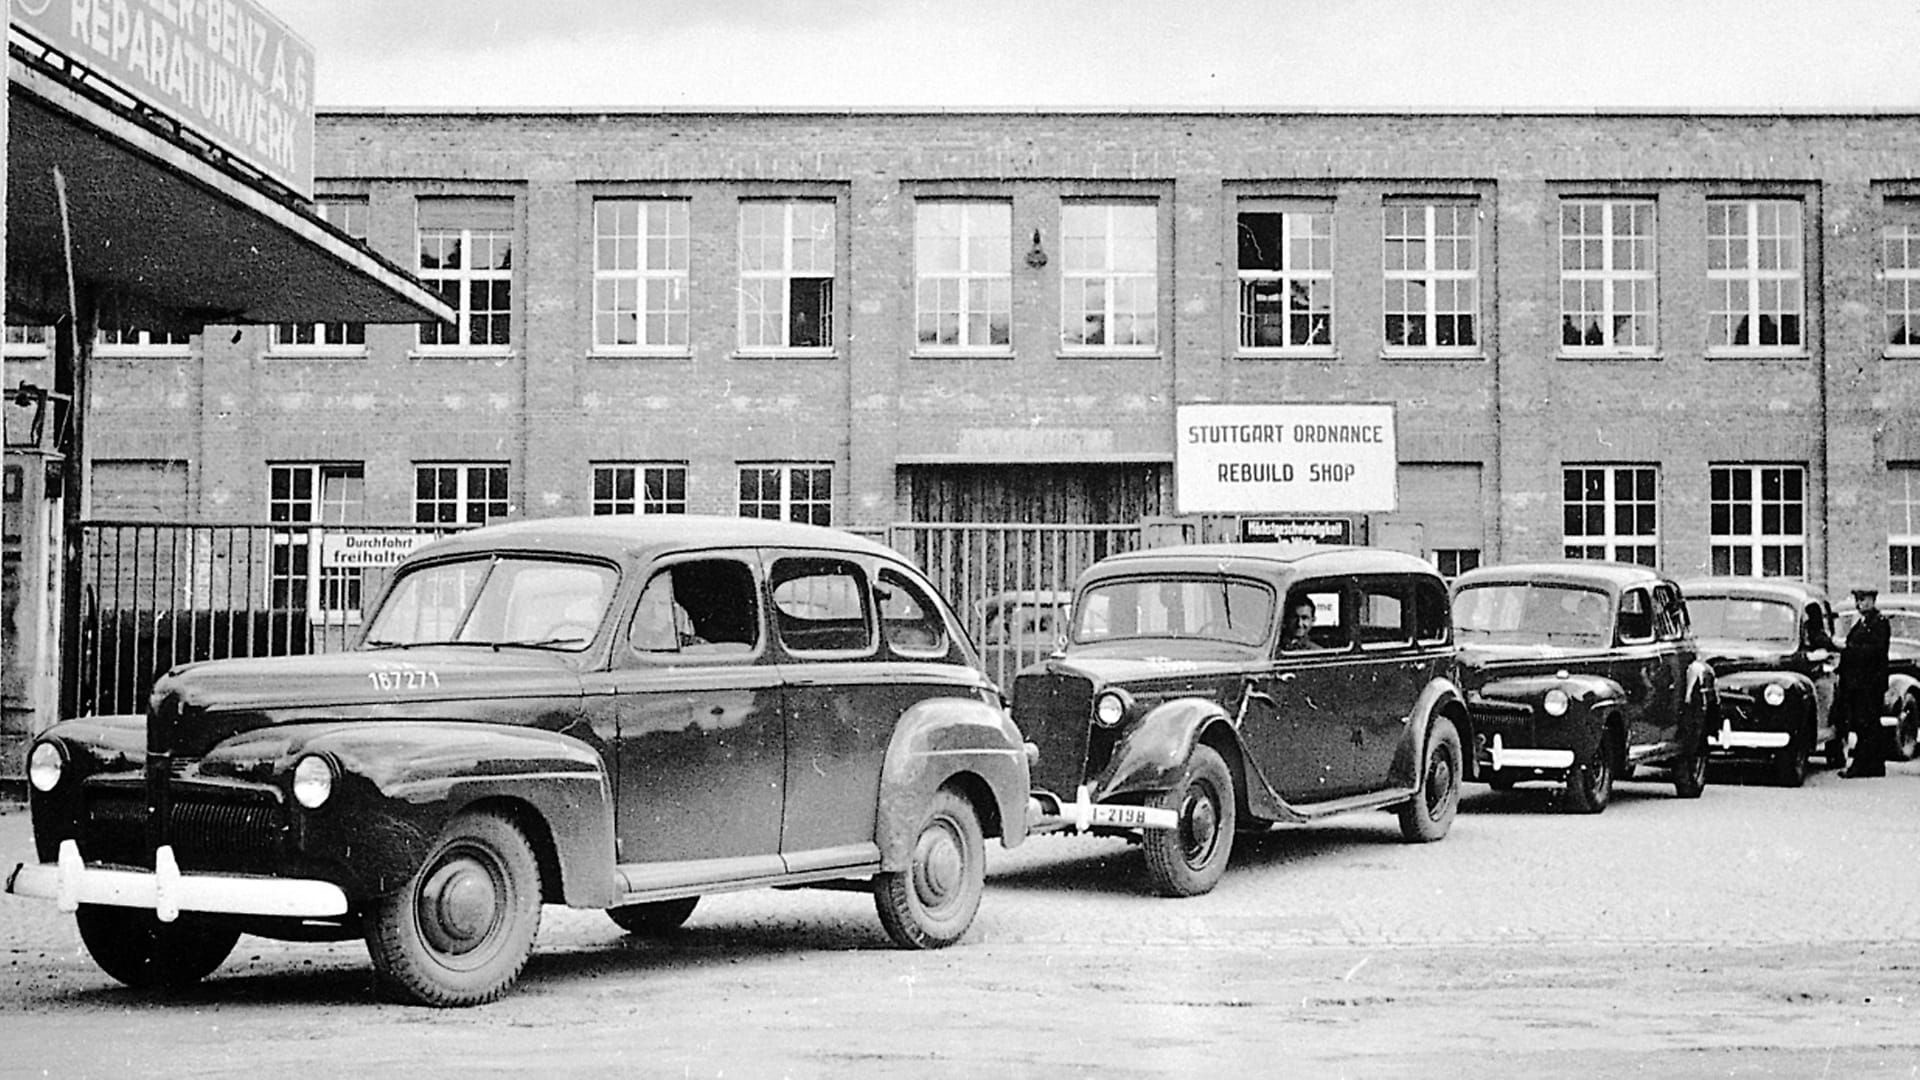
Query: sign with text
[368, 549]
[1285, 458]
[228, 70]
[1296, 530]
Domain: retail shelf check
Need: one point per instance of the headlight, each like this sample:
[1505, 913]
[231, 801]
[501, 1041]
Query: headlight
[46, 765]
[1110, 708]
[1774, 695]
[312, 781]
[1555, 703]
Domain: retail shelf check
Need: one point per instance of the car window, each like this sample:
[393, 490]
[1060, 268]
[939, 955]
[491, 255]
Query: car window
[1431, 608]
[1528, 613]
[1636, 616]
[821, 606]
[1314, 620]
[1384, 612]
[1904, 626]
[1735, 618]
[909, 620]
[702, 608]
[1214, 608]
[541, 603]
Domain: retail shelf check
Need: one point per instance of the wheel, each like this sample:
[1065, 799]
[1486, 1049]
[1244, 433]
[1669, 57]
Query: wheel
[1835, 752]
[1429, 814]
[459, 932]
[930, 904]
[1590, 782]
[1189, 858]
[1690, 772]
[649, 920]
[136, 948]
[1788, 766]
[1907, 734]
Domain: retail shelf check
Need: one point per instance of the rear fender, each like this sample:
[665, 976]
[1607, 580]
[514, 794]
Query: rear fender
[963, 742]
[1441, 697]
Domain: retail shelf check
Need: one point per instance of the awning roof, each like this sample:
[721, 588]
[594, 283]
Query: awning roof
[174, 236]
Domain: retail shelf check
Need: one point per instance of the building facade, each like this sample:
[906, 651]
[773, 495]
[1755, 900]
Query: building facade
[1682, 339]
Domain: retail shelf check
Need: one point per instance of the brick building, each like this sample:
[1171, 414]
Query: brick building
[1678, 338]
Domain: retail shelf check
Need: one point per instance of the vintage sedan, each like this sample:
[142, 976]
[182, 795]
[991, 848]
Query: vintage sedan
[1019, 627]
[1901, 708]
[618, 713]
[1209, 690]
[1767, 640]
[1581, 671]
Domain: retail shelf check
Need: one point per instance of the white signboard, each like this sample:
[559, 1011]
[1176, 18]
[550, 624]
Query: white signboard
[368, 549]
[1237, 459]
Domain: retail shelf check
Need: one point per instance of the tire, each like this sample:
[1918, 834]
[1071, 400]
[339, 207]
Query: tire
[930, 904]
[1907, 735]
[1835, 752]
[1429, 814]
[1789, 766]
[654, 919]
[136, 948]
[459, 932]
[1187, 860]
[1690, 772]
[1590, 782]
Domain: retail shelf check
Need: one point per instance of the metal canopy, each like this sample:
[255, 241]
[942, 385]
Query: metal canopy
[166, 231]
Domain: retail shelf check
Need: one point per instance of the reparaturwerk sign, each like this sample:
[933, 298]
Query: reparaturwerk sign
[1285, 458]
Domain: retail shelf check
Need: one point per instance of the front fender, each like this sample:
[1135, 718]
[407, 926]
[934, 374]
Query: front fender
[960, 741]
[401, 782]
[1150, 755]
[1899, 686]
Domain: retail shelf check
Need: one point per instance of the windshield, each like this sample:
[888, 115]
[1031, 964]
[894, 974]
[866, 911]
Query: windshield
[1218, 609]
[1731, 618]
[540, 603]
[1531, 614]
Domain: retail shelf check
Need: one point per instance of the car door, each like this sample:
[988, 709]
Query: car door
[1644, 666]
[700, 745]
[1300, 720]
[1398, 628]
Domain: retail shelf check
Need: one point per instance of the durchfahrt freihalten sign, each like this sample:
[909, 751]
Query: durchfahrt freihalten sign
[228, 70]
[368, 549]
[1331, 458]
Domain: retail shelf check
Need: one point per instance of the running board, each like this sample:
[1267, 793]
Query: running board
[632, 875]
[1372, 800]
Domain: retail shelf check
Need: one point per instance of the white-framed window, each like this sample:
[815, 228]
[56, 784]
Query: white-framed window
[640, 259]
[1903, 528]
[1432, 269]
[787, 492]
[1452, 562]
[301, 499]
[1608, 296]
[27, 342]
[1755, 290]
[1109, 276]
[1286, 277]
[788, 253]
[349, 215]
[459, 493]
[1611, 512]
[1758, 520]
[963, 274]
[466, 256]
[131, 342]
[658, 487]
[1900, 283]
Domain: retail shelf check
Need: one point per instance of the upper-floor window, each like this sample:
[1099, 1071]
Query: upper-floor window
[1900, 284]
[1607, 294]
[1432, 267]
[27, 341]
[780, 492]
[963, 270]
[1610, 512]
[1109, 283]
[301, 500]
[1903, 528]
[1286, 277]
[1755, 292]
[466, 256]
[640, 253]
[655, 488]
[1757, 520]
[459, 494]
[349, 215]
[787, 256]
[127, 340]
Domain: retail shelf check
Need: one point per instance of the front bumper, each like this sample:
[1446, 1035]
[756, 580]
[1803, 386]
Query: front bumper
[71, 881]
[1730, 739]
[1499, 756]
[1047, 813]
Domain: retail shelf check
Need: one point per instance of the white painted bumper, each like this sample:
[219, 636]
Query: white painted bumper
[1728, 738]
[1083, 814]
[1504, 758]
[70, 882]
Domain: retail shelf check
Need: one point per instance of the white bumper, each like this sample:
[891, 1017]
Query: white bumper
[1728, 738]
[167, 892]
[1083, 814]
[1504, 758]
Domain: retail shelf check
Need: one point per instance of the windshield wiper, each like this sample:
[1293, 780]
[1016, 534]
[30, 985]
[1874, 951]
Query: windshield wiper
[554, 643]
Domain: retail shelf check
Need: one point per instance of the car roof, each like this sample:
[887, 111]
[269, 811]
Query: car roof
[1614, 575]
[1272, 561]
[1798, 593]
[619, 536]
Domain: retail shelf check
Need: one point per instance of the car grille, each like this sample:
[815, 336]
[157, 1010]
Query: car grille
[207, 833]
[1054, 712]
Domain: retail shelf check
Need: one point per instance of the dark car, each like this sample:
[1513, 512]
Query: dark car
[1773, 675]
[619, 713]
[1020, 627]
[1901, 709]
[1581, 671]
[1188, 703]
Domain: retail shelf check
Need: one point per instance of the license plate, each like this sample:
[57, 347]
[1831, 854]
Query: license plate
[1125, 817]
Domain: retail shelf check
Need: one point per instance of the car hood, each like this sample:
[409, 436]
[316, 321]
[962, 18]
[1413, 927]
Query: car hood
[198, 705]
[1185, 666]
[1727, 656]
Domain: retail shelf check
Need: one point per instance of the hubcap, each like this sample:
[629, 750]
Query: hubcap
[939, 865]
[1439, 782]
[459, 905]
[1200, 820]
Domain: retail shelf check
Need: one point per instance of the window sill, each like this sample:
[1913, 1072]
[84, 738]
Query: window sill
[961, 354]
[296, 352]
[676, 353]
[1428, 356]
[786, 354]
[1608, 357]
[461, 354]
[142, 352]
[1759, 354]
[1901, 352]
[1108, 354]
[1323, 356]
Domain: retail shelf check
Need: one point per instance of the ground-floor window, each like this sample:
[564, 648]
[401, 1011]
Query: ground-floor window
[787, 492]
[1758, 520]
[459, 494]
[1611, 512]
[1903, 528]
[300, 499]
[1452, 562]
[644, 488]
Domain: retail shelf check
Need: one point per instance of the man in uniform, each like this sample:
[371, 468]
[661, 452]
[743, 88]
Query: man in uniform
[1863, 684]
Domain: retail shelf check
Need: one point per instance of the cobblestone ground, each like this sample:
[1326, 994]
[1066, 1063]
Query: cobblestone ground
[1756, 931]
